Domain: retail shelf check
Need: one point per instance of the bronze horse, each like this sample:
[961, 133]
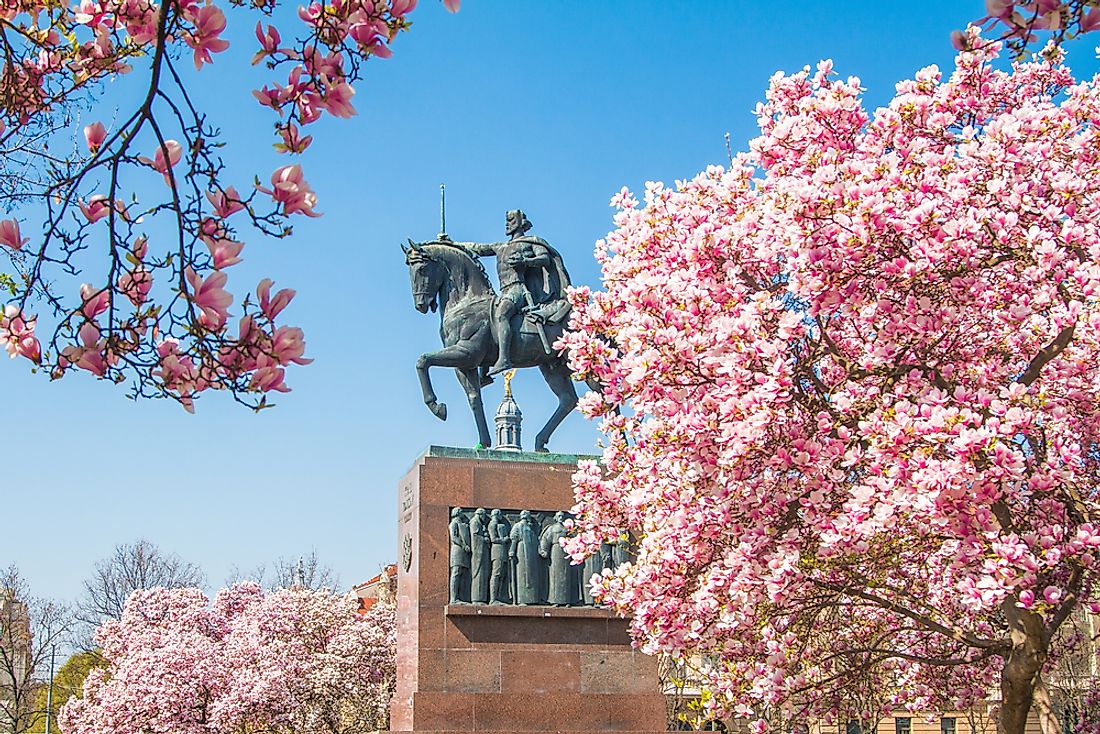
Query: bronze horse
[447, 276]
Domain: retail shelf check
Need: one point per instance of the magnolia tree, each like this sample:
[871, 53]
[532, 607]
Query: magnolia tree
[295, 661]
[144, 205]
[849, 393]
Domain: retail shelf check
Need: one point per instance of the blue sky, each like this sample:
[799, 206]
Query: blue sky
[547, 106]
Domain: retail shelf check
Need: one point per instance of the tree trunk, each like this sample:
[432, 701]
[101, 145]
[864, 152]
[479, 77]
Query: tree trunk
[1023, 664]
[1017, 694]
[1044, 707]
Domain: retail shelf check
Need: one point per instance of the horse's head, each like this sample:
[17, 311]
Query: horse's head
[426, 274]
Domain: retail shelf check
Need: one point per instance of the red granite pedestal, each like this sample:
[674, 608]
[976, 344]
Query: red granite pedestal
[495, 669]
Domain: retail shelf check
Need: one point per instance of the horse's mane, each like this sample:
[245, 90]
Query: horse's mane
[466, 251]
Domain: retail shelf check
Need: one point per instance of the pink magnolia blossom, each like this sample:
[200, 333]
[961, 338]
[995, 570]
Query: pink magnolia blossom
[225, 252]
[268, 376]
[270, 97]
[288, 345]
[90, 13]
[293, 141]
[271, 307]
[327, 68]
[307, 104]
[141, 247]
[369, 32]
[337, 99]
[158, 162]
[98, 207]
[94, 135]
[212, 228]
[96, 301]
[91, 354]
[225, 202]
[209, 24]
[269, 42]
[17, 333]
[311, 14]
[999, 8]
[210, 297]
[292, 191]
[135, 285]
[1091, 21]
[303, 93]
[178, 373]
[10, 235]
[140, 19]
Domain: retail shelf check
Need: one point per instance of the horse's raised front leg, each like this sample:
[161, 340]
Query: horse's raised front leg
[560, 380]
[471, 383]
[458, 355]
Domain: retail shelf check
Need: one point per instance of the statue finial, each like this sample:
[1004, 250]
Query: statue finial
[443, 212]
[508, 418]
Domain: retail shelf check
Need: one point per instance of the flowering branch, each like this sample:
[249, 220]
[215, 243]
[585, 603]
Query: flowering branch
[145, 209]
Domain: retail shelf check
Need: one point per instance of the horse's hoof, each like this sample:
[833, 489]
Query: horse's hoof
[439, 410]
[542, 450]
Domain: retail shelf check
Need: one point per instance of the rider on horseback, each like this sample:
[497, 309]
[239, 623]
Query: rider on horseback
[533, 281]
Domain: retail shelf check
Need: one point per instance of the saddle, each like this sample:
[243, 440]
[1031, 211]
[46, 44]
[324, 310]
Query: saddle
[551, 313]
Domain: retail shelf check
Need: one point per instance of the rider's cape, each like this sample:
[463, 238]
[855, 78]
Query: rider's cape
[548, 288]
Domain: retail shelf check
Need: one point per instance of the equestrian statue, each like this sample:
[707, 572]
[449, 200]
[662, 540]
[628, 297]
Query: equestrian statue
[485, 333]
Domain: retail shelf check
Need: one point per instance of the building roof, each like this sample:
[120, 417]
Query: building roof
[376, 588]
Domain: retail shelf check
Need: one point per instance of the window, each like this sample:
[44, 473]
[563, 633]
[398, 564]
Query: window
[903, 725]
[852, 727]
[947, 725]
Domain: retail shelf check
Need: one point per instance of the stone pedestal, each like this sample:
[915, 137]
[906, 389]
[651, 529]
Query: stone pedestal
[490, 668]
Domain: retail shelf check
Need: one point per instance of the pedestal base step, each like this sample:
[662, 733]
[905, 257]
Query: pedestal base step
[535, 712]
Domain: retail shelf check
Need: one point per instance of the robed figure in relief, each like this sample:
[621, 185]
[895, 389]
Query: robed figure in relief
[525, 558]
[480, 562]
[460, 557]
[560, 592]
[500, 537]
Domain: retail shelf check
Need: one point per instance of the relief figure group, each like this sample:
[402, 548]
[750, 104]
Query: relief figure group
[515, 557]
